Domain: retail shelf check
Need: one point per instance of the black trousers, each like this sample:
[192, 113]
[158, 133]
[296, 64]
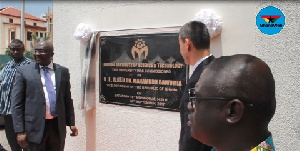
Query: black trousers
[11, 135]
[50, 140]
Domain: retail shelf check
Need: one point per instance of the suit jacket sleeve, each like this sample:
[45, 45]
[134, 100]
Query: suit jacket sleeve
[18, 101]
[69, 108]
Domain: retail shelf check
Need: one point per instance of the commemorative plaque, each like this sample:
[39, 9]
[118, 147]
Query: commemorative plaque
[143, 69]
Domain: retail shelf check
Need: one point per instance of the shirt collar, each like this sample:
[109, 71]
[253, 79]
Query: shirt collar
[196, 65]
[50, 66]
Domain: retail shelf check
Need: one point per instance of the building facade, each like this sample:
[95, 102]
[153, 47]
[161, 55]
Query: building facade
[10, 28]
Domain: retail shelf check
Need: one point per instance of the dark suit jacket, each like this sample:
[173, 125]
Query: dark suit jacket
[28, 102]
[186, 141]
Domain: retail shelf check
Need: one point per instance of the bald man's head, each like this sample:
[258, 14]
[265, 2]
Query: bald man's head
[244, 77]
[45, 44]
[43, 53]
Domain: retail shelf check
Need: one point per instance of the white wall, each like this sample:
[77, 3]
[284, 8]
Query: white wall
[110, 127]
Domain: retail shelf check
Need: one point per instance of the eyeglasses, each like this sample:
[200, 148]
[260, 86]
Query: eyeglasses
[193, 98]
[40, 51]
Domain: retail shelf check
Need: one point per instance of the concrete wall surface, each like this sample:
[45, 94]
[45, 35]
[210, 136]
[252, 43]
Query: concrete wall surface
[123, 128]
[281, 52]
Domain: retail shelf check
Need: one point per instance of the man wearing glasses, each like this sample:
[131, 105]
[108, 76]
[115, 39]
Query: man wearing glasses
[194, 41]
[233, 103]
[42, 103]
[7, 74]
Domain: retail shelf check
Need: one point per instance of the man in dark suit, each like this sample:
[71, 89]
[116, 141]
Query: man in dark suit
[194, 41]
[42, 103]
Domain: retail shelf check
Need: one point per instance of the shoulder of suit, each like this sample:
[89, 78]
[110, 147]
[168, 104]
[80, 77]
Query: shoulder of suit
[27, 65]
[208, 59]
[60, 66]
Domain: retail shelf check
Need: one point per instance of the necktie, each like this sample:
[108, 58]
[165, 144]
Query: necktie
[50, 90]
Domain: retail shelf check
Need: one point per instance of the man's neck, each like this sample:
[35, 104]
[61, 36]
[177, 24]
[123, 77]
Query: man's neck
[18, 60]
[244, 143]
[199, 54]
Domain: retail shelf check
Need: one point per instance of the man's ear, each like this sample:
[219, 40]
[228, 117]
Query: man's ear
[234, 111]
[188, 43]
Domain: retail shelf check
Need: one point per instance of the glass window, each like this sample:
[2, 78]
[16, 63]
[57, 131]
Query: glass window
[29, 37]
[12, 35]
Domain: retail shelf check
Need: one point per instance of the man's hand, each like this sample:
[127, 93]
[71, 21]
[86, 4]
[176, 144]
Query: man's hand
[74, 131]
[21, 138]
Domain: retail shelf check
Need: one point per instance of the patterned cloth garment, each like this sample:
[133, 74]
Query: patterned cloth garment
[266, 145]
[7, 75]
